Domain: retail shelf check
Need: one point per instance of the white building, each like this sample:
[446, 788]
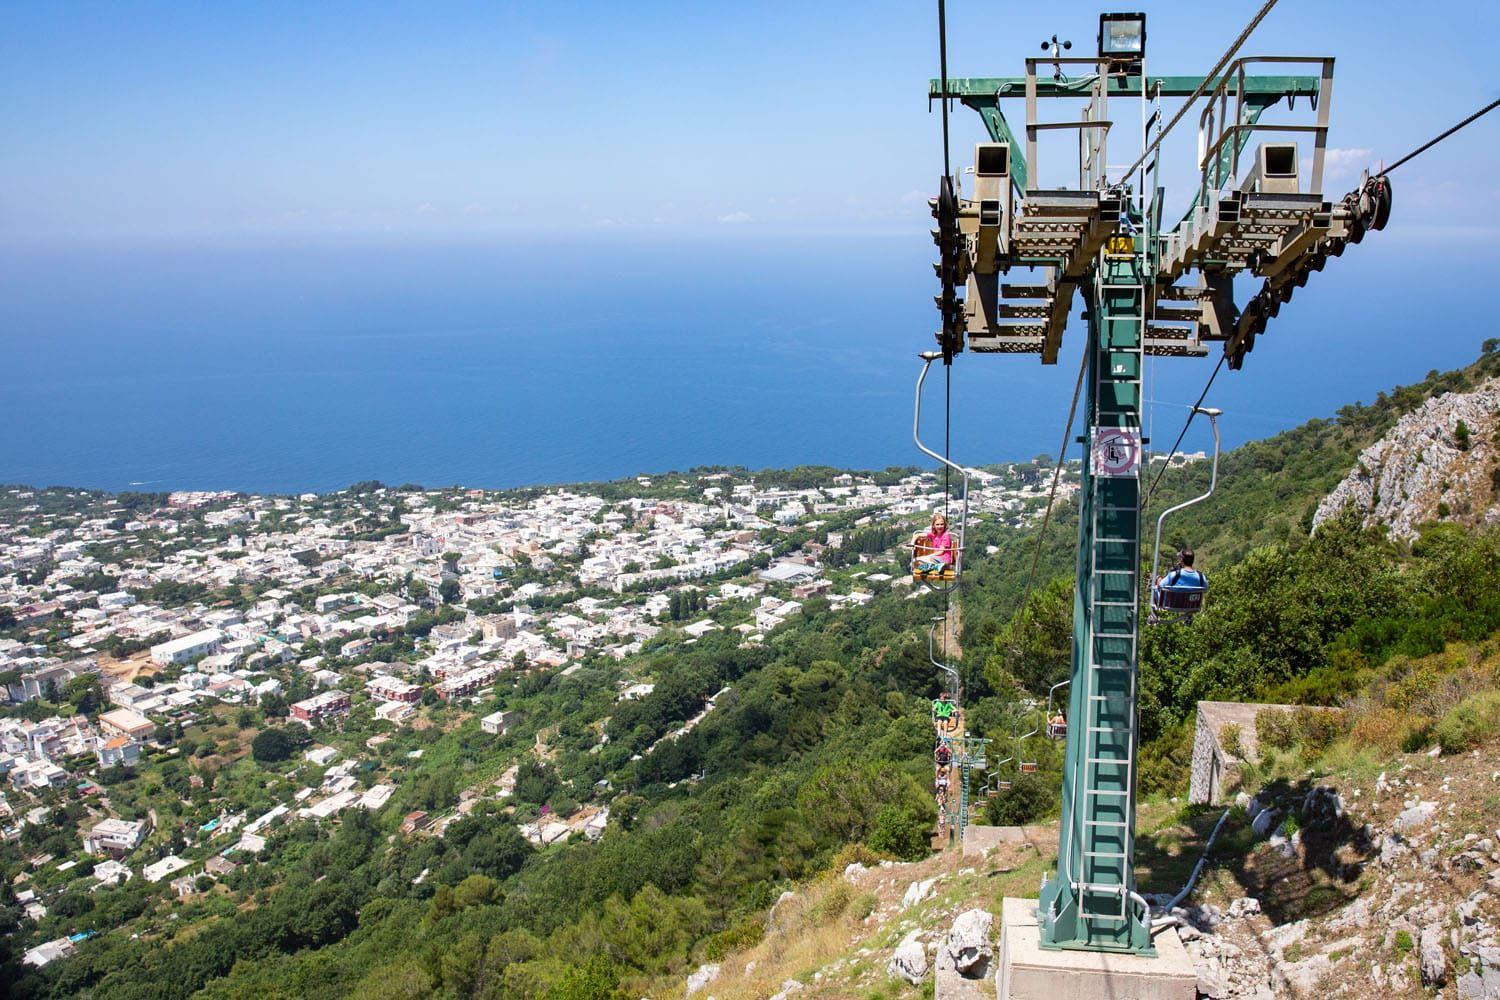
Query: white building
[498, 723]
[188, 646]
[114, 836]
[169, 865]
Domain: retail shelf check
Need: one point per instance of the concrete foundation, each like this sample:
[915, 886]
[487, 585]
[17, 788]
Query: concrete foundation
[980, 839]
[1029, 973]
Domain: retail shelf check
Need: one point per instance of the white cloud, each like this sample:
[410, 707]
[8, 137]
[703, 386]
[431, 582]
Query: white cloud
[1345, 162]
[734, 218]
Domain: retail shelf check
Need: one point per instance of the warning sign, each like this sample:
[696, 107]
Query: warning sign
[1117, 452]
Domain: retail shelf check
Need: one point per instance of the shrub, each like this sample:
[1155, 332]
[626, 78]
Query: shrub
[832, 904]
[1318, 729]
[863, 905]
[1274, 728]
[1403, 941]
[1381, 728]
[1418, 736]
[1475, 720]
[737, 938]
[851, 854]
[1232, 739]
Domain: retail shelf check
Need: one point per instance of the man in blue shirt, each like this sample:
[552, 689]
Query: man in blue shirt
[1184, 576]
[1183, 580]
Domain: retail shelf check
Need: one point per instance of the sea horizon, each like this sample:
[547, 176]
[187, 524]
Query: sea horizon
[274, 368]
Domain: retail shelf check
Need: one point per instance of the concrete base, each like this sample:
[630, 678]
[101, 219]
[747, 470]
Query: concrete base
[1029, 973]
[980, 839]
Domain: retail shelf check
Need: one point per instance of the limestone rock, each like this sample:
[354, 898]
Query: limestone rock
[909, 961]
[1415, 816]
[1245, 906]
[698, 980]
[1302, 977]
[917, 891]
[787, 989]
[1322, 804]
[968, 947]
[1265, 822]
[1425, 466]
[1434, 961]
[852, 870]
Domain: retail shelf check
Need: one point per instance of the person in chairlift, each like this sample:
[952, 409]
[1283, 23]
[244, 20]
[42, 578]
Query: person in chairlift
[1183, 576]
[933, 551]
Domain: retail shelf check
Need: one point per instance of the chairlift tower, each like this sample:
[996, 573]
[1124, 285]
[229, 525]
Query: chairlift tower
[1254, 214]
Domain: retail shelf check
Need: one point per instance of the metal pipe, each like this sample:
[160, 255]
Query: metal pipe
[928, 357]
[1198, 868]
[1213, 415]
[950, 671]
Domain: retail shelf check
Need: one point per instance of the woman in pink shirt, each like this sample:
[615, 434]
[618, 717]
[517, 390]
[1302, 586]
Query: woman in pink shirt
[933, 551]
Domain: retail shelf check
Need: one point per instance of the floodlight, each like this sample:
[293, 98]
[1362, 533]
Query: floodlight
[1122, 36]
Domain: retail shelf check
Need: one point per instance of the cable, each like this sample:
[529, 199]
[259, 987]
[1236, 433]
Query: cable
[1433, 142]
[1223, 61]
[943, 71]
[1191, 414]
[1062, 453]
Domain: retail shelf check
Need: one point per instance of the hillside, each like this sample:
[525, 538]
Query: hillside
[1439, 463]
[739, 750]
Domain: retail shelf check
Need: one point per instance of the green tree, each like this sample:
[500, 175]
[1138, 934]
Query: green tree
[272, 745]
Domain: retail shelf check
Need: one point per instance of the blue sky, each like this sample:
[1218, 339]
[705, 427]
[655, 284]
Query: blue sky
[239, 122]
[183, 186]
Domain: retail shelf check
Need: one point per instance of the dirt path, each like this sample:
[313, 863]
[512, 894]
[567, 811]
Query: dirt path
[951, 629]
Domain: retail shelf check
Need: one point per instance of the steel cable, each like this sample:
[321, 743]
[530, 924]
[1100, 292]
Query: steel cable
[1202, 87]
[1433, 142]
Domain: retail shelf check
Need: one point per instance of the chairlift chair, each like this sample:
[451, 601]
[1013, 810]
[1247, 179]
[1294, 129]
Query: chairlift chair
[1024, 766]
[944, 580]
[1178, 602]
[1057, 722]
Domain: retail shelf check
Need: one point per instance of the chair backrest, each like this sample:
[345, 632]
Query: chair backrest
[1173, 599]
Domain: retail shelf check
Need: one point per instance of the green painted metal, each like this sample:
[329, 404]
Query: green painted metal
[1090, 904]
[976, 91]
[972, 757]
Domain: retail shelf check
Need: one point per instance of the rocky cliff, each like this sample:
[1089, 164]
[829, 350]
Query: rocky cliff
[1440, 462]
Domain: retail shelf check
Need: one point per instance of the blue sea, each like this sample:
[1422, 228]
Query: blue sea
[304, 368]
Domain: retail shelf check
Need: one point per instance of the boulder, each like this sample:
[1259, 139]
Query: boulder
[1302, 977]
[1415, 816]
[1434, 961]
[1245, 906]
[917, 891]
[787, 989]
[1391, 849]
[968, 946]
[698, 980]
[909, 961]
[852, 870]
[1265, 821]
[1322, 804]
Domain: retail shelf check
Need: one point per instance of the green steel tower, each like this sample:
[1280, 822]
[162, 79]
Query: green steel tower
[1101, 239]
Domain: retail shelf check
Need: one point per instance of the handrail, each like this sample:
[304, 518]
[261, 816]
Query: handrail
[1211, 122]
[950, 671]
[1050, 692]
[928, 357]
[1213, 415]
